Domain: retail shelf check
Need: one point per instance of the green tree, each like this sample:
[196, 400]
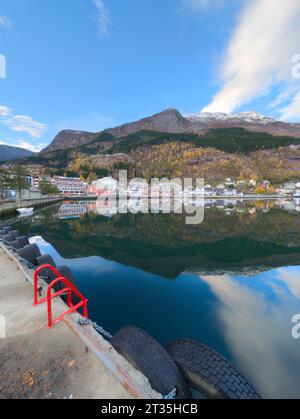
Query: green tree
[20, 179]
[5, 181]
[48, 188]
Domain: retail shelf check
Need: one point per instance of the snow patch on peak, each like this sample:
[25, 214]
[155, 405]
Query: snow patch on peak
[254, 117]
[250, 117]
[207, 116]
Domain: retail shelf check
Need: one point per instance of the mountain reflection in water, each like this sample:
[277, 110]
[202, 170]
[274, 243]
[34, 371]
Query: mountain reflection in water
[232, 282]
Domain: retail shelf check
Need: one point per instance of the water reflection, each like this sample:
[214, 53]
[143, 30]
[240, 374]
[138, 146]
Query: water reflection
[256, 321]
[231, 282]
[247, 319]
[242, 237]
[72, 210]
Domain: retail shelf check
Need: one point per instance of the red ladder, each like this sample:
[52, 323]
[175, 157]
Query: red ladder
[68, 290]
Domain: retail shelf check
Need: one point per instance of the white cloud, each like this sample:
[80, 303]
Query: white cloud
[21, 123]
[259, 53]
[5, 22]
[257, 330]
[31, 147]
[103, 18]
[22, 144]
[4, 111]
[281, 98]
[292, 110]
[291, 278]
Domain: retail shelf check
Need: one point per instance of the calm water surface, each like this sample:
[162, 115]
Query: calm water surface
[232, 283]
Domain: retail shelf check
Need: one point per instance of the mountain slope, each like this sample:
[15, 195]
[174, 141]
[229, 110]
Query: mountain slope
[8, 153]
[69, 139]
[231, 140]
[178, 159]
[215, 155]
[171, 121]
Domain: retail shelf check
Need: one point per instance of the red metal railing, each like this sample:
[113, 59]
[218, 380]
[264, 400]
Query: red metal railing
[36, 282]
[69, 290]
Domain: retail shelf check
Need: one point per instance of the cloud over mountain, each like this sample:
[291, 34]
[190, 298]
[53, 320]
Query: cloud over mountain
[258, 55]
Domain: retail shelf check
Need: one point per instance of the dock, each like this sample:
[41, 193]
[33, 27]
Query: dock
[9, 208]
[66, 362]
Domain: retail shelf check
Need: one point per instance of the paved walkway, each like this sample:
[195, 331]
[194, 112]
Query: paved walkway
[39, 363]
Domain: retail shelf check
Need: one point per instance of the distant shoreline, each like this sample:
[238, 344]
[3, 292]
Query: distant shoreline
[205, 198]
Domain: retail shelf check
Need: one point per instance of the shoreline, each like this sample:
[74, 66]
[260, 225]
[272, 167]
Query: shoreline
[10, 208]
[205, 198]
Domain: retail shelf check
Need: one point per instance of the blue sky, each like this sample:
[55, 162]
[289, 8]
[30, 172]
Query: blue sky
[93, 64]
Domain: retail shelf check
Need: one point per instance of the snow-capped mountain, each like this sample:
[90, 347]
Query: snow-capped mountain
[171, 121]
[251, 121]
[248, 117]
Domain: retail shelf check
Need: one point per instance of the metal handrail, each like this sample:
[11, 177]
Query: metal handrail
[36, 282]
[68, 290]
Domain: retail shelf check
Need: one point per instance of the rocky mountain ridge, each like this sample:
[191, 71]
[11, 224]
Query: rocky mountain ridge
[8, 153]
[171, 121]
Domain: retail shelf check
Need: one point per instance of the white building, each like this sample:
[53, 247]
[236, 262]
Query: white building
[229, 182]
[74, 210]
[288, 188]
[105, 186]
[69, 185]
[231, 192]
[252, 182]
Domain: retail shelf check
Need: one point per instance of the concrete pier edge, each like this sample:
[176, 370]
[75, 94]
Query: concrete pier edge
[133, 381]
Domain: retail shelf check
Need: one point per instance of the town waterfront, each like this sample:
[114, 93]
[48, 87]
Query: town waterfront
[231, 282]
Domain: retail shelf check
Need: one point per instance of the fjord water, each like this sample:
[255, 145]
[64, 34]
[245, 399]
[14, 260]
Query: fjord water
[232, 283]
